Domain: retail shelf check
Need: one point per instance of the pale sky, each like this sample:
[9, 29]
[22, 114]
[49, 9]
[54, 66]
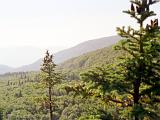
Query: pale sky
[58, 24]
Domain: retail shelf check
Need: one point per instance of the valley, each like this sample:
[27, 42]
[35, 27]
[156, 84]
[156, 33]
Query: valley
[56, 64]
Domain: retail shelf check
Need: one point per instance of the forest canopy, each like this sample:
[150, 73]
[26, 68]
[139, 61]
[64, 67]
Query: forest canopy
[120, 82]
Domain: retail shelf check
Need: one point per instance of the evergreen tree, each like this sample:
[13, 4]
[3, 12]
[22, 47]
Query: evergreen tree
[50, 78]
[142, 63]
[134, 82]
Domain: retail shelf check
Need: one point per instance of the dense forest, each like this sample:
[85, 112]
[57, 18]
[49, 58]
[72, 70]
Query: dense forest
[120, 82]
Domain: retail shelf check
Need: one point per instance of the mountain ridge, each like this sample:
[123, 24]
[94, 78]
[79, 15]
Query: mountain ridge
[64, 55]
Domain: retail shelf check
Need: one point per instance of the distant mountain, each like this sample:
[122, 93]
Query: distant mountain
[5, 69]
[75, 51]
[85, 47]
[31, 67]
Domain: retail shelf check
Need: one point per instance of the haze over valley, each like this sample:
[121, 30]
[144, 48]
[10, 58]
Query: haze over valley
[79, 60]
[33, 59]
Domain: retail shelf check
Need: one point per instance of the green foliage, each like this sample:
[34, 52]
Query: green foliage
[90, 60]
[142, 64]
[127, 88]
[133, 83]
[49, 78]
[48, 74]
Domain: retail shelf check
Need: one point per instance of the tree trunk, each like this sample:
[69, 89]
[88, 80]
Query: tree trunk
[141, 66]
[136, 91]
[136, 94]
[136, 118]
[50, 104]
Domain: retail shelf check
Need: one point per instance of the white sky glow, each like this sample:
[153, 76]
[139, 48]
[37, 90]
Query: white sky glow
[58, 24]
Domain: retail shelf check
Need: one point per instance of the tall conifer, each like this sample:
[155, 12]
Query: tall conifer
[142, 63]
[50, 78]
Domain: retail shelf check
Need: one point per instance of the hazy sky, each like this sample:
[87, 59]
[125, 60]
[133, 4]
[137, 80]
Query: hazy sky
[58, 24]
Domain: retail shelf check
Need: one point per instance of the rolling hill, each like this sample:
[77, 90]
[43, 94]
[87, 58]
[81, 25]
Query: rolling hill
[90, 60]
[85, 47]
[67, 54]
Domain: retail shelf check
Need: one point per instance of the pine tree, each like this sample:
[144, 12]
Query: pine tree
[50, 78]
[133, 82]
[142, 63]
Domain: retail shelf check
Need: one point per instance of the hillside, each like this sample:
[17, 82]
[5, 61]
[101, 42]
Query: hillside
[75, 51]
[89, 60]
[67, 54]
[31, 67]
[85, 47]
